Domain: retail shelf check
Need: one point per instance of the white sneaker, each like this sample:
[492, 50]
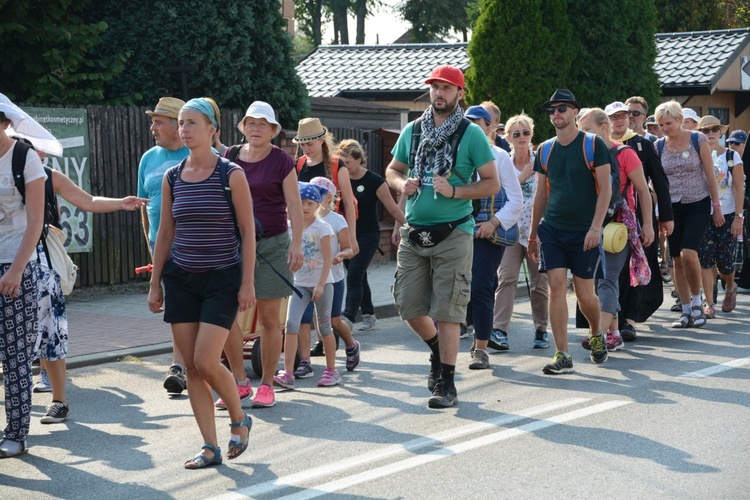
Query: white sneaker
[743, 290]
[43, 385]
[368, 321]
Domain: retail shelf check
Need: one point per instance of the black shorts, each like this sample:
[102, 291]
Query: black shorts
[209, 297]
[690, 223]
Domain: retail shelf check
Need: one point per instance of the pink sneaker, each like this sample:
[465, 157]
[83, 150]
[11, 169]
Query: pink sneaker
[331, 376]
[614, 343]
[284, 379]
[264, 397]
[245, 392]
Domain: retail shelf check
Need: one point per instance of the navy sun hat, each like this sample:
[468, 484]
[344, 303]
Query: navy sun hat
[738, 137]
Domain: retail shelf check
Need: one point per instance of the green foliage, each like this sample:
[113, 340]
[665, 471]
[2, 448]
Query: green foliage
[431, 19]
[520, 52]
[688, 15]
[232, 51]
[616, 51]
[46, 53]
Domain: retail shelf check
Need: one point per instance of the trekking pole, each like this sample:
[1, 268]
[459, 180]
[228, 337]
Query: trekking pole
[526, 277]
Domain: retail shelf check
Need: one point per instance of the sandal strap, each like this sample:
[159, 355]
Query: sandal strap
[215, 449]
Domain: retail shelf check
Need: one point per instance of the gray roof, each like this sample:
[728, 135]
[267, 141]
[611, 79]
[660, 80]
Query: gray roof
[686, 62]
[696, 61]
[346, 70]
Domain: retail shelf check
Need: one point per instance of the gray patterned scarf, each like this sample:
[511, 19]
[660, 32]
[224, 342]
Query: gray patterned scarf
[435, 139]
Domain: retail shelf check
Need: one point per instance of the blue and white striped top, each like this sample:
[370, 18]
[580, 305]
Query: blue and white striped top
[205, 236]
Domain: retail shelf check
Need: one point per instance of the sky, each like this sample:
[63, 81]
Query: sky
[384, 25]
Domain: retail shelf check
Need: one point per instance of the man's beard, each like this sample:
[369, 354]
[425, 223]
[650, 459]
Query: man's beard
[447, 108]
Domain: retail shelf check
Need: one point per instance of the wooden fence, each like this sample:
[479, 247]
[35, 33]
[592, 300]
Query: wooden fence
[118, 138]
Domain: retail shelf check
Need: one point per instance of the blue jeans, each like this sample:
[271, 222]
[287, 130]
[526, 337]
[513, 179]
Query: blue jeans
[357, 290]
[480, 313]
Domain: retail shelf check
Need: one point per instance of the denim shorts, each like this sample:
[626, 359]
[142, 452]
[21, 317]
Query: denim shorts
[564, 249]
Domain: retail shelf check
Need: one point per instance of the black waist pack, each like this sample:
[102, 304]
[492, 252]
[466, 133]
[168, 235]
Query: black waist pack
[429, 236]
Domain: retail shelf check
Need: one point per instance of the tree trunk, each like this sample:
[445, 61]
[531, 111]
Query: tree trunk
[317, 15]
[340, 28]
[361, 10]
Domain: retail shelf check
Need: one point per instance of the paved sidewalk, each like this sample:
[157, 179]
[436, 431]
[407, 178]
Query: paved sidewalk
[109, 326]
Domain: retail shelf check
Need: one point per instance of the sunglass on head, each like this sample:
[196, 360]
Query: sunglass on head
[562, 108]
[517, 134]
[713, 129]
[636, 113]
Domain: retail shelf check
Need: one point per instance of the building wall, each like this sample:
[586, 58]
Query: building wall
[732, 79]
[720, 100]
[287, 10]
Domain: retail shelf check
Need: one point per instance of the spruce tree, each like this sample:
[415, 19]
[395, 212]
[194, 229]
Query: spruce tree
[520, 52]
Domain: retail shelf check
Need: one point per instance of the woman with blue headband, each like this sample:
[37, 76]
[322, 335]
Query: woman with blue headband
[205, 255]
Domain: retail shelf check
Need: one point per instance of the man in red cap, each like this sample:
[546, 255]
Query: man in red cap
[433, 165]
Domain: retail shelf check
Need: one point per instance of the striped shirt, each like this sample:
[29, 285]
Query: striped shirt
[205, 236]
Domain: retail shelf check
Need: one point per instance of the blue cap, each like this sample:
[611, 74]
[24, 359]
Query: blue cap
[477, 112]
[738, 137]
[312, 192]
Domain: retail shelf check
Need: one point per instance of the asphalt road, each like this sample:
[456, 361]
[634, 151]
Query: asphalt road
[666, 418]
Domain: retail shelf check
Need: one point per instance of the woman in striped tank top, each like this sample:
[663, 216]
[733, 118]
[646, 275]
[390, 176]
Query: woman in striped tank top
[208, 271]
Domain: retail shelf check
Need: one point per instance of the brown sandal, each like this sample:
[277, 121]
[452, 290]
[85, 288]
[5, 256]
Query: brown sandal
[685, 321]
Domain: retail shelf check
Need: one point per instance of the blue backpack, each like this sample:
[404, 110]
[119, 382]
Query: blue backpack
[589, 146]
[693, 137]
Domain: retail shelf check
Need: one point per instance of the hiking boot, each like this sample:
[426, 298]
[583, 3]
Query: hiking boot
[730, 299]
[56, 412]
[627, 332]
[244, 390]
[480, 360]
[614, 342]
[368, 321]
[304, 370]
[444, 395]
[434, 375]
[560, 364]
[331, 377]
[598, 349]
[498, 340]
[541, 340]
[317, 349]
[175, 382]
[284, 379]
[264, 397]
[43, 385]
[352, 357]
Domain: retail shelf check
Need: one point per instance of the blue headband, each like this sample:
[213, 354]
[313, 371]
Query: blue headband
[312, 192]
[201, 105]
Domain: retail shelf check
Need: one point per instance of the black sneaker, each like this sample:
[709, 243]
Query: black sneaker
[317, 349]
[175, 381]
[598, 349]
[560, 364]
[628, 333]
[434, 375]
[444, 396]
[498, 340]
[56, 412]
[541, 340]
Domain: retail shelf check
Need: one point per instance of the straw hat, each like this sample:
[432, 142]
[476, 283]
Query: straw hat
[709, 121]
[308, 130]
[167, 106]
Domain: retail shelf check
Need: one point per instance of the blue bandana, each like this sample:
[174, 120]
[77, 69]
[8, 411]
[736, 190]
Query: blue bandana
[201, 105]
[312, 192]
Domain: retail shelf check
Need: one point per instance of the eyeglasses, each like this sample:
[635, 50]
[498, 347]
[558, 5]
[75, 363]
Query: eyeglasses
[619, 116]
[561, 108]
[713, 129]
[636, 113]
[525, 133]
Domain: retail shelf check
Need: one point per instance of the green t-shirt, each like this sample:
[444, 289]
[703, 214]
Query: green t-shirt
[571, 203]
[473, 152]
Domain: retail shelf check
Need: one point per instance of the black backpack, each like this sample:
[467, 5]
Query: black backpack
[51, 209]
[416, 136]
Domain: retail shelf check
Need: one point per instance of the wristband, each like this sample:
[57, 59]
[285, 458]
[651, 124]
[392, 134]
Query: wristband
[495, 221]
[715, 203]
[454, 192]
[532, 240]
[592, 228]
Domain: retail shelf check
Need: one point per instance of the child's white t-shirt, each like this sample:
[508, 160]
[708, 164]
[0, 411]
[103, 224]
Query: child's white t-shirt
[337, 223]
[312, 265]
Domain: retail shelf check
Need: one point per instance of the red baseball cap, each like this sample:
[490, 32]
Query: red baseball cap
[448, 74]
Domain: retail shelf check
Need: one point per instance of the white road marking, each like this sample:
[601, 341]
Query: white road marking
[414, 445]
[713, 370]
[450, 451]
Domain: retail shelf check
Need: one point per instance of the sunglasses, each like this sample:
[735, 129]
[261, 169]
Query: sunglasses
[525, 133]
[713, 129]
[636, 113]
[562, 108]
